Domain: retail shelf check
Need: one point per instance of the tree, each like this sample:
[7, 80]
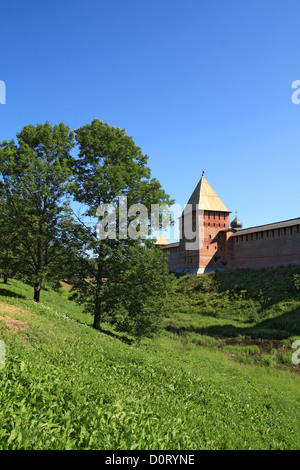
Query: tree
[8, 240]
[110, 165]
[36, 173]
[136, 293]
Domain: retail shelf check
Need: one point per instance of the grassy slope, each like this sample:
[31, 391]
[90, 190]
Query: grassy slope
[66, 386]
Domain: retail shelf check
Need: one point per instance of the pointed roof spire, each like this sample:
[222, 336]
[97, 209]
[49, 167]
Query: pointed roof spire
[162, 240]
[206, 197]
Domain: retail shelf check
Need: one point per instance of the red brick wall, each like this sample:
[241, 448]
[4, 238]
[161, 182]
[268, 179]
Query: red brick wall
[221, 248]
[269, 248]
[173, 258]
[205, 253]
[211, 251]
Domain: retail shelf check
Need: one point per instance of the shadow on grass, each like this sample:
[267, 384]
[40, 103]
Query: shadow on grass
[114, 334]
[8, 293]
[281, 327]
[107, 332]
[270, 285]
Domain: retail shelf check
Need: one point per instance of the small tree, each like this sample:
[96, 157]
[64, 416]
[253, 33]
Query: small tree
[136, 292]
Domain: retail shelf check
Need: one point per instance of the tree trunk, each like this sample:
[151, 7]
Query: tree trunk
[97, 312]
[97, 307]
[5, 279]
[96, 324]
[37, 290]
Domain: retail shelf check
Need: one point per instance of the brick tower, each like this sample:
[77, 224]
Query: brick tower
[204, 217]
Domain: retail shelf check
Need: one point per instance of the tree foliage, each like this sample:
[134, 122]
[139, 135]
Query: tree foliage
[119, 279]
[36, 173]
[113, 283]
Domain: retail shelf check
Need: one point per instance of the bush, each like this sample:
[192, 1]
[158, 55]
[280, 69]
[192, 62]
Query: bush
[244, 359]
[286, 358]
[296, 281]
[267, 360]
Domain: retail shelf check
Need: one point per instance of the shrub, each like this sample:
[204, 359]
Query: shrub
[296, 281]
[285, 358]
[244, 359]
[267, 360]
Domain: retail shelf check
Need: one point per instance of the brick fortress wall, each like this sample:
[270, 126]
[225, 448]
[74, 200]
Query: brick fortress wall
[272, 247]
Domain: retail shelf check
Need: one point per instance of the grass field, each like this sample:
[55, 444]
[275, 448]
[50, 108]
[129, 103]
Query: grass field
[219, 376]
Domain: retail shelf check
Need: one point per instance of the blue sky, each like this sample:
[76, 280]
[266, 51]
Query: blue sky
[199, 86]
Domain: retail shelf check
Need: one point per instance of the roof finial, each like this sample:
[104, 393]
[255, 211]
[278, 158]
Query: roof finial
[202, 173]
[236, 224]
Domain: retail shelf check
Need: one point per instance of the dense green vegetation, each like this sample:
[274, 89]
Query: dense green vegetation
[218, 376]
[108, 258]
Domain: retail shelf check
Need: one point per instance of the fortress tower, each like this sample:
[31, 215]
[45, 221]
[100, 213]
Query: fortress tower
[205, 215]
[209, 243]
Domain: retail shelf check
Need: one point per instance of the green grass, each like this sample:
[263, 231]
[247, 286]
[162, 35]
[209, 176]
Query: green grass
[67, 386]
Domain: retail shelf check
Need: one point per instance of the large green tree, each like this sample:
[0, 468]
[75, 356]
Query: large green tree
[8, 240]
[36, 172]
[113, 276]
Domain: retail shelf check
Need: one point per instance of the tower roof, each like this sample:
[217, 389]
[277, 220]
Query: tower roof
[206, 198]
[236, 224]
[162, 240]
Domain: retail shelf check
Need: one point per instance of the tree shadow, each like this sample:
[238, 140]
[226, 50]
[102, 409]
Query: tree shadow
[277, 328]
[267, 285]
[114, 334]
[181, 330]
[9, 293]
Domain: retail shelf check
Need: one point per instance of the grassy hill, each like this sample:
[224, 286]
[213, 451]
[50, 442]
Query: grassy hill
[219, 376]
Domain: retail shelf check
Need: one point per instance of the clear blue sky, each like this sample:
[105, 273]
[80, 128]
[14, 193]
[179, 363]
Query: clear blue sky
[199, 85]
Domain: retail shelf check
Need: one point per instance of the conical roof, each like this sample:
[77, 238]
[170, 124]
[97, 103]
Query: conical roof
[206, 198]
[162, 240]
